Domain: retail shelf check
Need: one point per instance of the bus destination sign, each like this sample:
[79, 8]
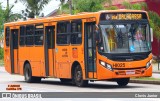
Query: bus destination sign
[123, 16]
[126, 17]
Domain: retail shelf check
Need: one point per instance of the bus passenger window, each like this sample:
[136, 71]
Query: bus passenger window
[22, 35]
[7, 36]
[38, 37]
[76, 35]
[63, 35]
[30, 35]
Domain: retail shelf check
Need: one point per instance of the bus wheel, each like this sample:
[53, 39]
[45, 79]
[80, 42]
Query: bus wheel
[123, 81]
[78, 77]
[65, 80]
[28, 75]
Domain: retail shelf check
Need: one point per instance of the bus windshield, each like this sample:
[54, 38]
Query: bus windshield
[125, 38]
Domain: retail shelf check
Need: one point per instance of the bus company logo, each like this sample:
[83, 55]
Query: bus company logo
[14, 87]
[6, 95]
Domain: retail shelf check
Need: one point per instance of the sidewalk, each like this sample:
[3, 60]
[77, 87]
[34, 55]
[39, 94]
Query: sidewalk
[155, 68]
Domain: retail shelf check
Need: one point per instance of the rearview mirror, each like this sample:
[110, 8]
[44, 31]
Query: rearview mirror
[151, 31]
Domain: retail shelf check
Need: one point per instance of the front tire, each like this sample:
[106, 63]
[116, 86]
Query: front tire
[28, 75]
[78, 77]
[123, 81]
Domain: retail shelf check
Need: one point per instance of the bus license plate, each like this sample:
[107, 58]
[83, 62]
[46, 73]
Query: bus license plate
[130, 72]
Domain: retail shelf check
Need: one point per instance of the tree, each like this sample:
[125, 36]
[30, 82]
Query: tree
[82, 6]
[9, 15]
[136, 6]
[89, 5]
[154, 23]
[154, 17]
[33, 7]
[62, 5]
[1, 18]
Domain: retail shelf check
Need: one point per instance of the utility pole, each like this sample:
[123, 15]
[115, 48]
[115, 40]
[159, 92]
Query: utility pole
[70, 6]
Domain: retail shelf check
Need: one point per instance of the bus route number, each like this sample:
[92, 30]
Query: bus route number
[119, 65]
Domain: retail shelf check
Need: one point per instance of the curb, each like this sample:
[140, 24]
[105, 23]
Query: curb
[145, 81]
[156, 72]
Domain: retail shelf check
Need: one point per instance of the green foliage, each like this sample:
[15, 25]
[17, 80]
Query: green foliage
[1, 53]
[9, 16]
[89, 5]
[154, 23]
[33, 7]
[136, 6]
[82, 6]
[1, 18]
[112, 8]
[154, 17]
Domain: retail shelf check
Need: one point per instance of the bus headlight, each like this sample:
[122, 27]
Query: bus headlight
[148, 63]
[103, 63]
[108, 66]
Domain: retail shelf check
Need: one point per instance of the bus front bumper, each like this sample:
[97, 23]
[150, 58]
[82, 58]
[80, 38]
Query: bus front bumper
[125, 73]
[143, 72]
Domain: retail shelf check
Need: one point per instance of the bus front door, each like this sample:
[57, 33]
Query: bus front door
[49, 50]
[90, 54]
[14, 51]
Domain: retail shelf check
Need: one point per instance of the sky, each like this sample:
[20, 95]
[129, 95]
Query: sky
[53, 4]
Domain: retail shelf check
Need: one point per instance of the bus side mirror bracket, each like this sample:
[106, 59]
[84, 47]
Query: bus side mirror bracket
[96, 33]
[151, 31]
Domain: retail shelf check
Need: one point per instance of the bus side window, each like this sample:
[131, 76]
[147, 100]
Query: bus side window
[38, 37]
[7, 36]
[30, 35]
[63, 34]
[22, 35]
[76, 35]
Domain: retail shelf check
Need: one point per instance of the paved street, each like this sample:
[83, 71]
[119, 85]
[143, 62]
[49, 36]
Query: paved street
[54, 85]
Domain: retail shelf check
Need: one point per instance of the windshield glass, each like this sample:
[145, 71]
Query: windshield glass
[125, 38]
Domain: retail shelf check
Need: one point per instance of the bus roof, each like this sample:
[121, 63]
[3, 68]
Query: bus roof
[64, 17]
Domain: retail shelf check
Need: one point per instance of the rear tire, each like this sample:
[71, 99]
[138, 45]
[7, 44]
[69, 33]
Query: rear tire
[78, 77]
[28, 75]
[123, 81]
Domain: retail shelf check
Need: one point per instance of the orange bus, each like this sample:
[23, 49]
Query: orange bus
[105, 45]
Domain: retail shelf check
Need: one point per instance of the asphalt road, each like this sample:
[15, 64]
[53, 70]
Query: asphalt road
[54, 85]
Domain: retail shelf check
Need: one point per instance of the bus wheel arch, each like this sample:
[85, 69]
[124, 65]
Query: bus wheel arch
[75, 71]
[27, 71]
[24, 65]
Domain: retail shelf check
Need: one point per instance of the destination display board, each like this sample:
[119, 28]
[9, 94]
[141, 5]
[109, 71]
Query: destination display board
[123, 16]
